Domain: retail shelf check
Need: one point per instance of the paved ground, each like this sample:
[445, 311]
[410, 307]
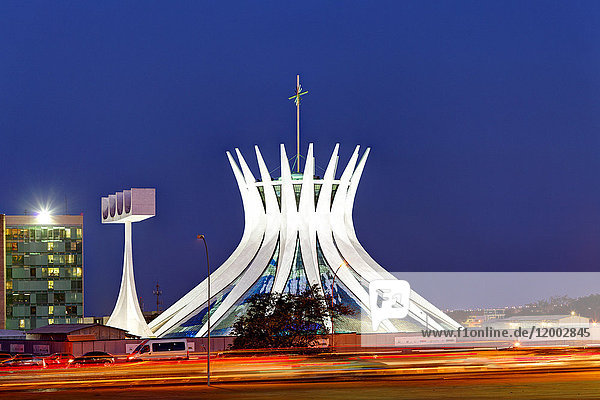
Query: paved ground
[565, 385]
[523, 374]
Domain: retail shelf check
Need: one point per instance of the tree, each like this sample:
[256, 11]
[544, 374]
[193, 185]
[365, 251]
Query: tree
[277, 320]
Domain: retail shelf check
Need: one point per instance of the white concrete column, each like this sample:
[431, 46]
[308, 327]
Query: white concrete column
[127, 313]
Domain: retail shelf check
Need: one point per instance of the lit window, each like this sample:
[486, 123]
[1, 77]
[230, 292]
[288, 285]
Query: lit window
[50, 309]
[50, 321]
[21, 323]
[53, 272]
[68, 233]
[50, 246]
[50, 259]
[78, 272]
[9, 285]
[78, 233]
[50, 284]
[70, 259]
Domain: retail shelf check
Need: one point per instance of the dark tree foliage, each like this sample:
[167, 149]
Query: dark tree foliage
[274, 320]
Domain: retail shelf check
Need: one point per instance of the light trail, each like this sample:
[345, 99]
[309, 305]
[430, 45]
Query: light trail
[328, 367]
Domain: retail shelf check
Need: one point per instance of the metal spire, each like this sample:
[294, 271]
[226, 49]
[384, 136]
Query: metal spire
[296, 99]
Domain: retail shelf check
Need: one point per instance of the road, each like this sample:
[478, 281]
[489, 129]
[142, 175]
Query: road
[528, 374]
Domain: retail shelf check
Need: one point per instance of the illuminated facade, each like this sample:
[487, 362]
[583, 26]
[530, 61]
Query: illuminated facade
[298, 232]
[42, 271]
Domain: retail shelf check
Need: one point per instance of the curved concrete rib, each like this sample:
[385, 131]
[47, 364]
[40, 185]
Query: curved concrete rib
[127, 313]
[230, 269]
[306, 229]
[368, 267]
[289, 225]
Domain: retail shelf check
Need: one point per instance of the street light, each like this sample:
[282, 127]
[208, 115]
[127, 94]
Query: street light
[44, 216]
[208, 313]
[332, 283]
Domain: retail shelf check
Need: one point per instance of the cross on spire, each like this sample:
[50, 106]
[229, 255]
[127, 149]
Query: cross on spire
[296, 99]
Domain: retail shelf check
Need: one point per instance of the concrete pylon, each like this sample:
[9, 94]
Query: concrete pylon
[125, 208]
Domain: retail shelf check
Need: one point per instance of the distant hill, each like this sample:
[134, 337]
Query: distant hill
[587, 306]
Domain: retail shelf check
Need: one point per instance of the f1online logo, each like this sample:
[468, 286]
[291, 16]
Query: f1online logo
[388, 299]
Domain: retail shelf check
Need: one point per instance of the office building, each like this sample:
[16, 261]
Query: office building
[41, 279]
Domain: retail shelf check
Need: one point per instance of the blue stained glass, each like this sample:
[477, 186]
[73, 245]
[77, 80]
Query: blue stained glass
[264, 284]
[297, 281]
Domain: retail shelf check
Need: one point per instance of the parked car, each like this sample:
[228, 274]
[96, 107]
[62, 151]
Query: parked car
[59, 358]
[93, 358]
[160, 349]
[24, 360]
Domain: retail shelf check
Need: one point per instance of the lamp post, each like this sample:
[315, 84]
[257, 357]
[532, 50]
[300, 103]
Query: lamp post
[333, 283]
[208, 313]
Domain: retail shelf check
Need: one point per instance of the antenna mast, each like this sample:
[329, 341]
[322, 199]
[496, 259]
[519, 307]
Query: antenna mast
[296, 99]
[157, 292]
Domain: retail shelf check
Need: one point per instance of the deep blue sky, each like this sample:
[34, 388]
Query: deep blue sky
[483, 118]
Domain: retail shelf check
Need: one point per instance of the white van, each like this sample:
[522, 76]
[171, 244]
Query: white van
[160, 349]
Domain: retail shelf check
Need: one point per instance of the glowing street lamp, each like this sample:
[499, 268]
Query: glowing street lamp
[44, 217]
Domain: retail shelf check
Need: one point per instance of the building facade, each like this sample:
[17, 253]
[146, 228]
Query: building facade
[42, 271]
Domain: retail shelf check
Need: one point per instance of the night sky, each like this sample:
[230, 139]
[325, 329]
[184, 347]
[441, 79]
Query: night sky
[483, 118]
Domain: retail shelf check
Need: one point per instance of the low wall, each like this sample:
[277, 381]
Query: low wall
[33, 346]
[122, 347]
[343, 342]
[116, 347]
